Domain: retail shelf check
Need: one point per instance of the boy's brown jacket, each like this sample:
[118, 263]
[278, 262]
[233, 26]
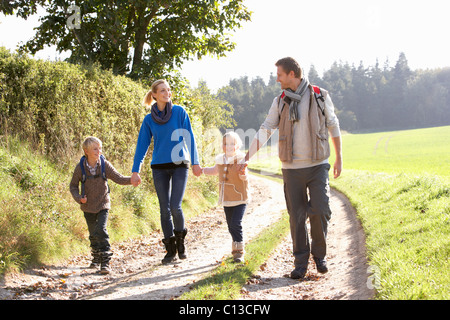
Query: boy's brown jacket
[97, 191]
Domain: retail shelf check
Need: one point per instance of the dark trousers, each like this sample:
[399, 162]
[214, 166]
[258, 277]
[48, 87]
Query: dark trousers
[98, 235]
[297, 184]
[234, 216]
[170, 185]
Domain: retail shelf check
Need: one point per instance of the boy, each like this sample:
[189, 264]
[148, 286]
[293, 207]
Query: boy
[94, 200]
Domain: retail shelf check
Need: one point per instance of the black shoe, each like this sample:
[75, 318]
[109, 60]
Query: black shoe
[298, 273]
[179, 237]
[321, 265]
[171, 248]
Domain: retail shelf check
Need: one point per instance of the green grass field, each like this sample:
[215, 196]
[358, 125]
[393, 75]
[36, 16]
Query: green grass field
[399, 182]
[409, 151]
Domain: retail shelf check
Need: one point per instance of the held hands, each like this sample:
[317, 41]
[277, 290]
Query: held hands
[135, 179]
[242, 168]
[197, 170]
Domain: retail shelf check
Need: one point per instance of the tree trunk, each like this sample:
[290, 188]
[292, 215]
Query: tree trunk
[141, 24]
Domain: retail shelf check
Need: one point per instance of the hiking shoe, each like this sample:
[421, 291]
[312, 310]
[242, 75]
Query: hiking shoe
[105, 259]
[298, 273]
[96, 259]
[321, 265]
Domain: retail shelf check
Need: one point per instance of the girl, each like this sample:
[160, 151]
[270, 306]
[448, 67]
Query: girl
[233, 189]
[174, 150]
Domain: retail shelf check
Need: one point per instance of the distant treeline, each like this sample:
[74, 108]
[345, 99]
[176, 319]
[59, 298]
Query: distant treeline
[366, 98]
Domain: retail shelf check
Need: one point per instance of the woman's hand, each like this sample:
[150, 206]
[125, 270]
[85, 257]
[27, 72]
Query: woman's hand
[135, 179]
[197, 170]
[83, 200]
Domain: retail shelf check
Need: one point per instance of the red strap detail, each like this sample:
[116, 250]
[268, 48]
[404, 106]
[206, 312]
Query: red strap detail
[282, 95]
[316, 89]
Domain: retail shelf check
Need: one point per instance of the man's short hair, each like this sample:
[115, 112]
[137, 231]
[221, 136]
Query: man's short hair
[290, 64]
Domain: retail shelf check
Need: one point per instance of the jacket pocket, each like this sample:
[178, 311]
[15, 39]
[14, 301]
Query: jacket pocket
[231, 193]
[322, 147]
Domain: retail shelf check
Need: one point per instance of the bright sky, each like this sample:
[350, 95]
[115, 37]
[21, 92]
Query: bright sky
[313, 32]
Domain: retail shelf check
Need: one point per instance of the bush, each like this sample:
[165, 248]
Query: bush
[55, 105]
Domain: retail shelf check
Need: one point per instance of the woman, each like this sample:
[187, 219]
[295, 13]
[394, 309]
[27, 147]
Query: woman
[174, 149]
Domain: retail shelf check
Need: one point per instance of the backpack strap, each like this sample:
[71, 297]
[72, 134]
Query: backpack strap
[319, 98]
[83, 175]
[102, 162]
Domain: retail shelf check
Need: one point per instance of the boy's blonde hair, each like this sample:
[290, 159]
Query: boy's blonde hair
[235, 137]
[148, 99]
[89, 141]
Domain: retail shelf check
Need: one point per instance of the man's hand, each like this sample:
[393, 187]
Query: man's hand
[83, 200]
[241, 167]
[337, 168]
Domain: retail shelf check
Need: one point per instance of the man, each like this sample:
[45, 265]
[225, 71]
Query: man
[304, 124]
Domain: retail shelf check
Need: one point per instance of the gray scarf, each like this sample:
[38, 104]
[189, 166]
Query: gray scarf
[161, 117]
[294, 98]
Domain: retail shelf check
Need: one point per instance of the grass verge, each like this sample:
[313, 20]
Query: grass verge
[226, 281]
[407, 222]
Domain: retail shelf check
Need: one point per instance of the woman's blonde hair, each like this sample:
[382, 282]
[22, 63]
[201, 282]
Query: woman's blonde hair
[148, 99]
[235, 137]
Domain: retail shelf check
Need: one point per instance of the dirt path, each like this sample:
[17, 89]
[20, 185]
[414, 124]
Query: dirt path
[347, 278]
[138, 274]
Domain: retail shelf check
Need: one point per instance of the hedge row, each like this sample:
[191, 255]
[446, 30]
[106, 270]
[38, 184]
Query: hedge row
[55, 105]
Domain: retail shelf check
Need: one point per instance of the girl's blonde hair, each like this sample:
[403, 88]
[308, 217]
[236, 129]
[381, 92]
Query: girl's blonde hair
[89, 141]
[235, 137]
[148, 99]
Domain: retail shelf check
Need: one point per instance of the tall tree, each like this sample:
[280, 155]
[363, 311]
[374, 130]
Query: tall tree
[143, 38]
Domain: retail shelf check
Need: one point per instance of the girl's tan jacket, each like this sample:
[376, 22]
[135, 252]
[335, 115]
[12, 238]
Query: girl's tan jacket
[233, 188]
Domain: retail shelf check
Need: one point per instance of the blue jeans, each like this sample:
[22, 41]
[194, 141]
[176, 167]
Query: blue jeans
[98, 236]
[234, 217]
[170, 185]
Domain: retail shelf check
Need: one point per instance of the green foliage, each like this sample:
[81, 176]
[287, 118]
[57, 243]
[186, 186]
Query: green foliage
[55, 105]
[250, 100]
[37, 223]
[160, 34]
[46, 111]
[365, 98]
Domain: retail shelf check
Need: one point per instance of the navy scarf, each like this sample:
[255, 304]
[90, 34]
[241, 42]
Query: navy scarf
[161, 117]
